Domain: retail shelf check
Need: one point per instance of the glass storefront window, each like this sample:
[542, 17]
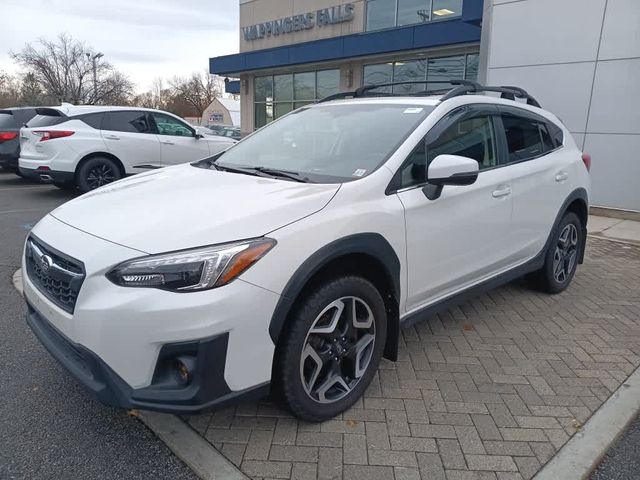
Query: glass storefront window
[277, 95]
[413, 11]
[377, 74]
[411, 70]
[445, 9]
[382, 14]
[263, 88]
[283, 88]
[304, 86]
[473, 61]
[445, 68]
[327, 83]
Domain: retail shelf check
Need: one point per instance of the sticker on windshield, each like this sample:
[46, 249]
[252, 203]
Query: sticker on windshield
[359, 172]
[413, 110]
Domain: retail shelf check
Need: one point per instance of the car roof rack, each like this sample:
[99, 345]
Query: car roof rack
[459, 88]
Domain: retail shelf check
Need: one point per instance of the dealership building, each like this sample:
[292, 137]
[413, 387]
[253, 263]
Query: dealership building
[579, 58]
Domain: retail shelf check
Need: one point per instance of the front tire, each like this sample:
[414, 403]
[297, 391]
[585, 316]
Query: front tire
[332, 348]
[562, 256]
[97, 172]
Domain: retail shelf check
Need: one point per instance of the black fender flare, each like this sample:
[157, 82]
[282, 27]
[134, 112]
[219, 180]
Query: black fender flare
[372, 244]
[577, 194]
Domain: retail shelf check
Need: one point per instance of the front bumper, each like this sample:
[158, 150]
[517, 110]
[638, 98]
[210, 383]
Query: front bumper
[206, 389]
[123, 334]
[49, 176]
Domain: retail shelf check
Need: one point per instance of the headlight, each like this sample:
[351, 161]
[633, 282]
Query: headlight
[191, 270]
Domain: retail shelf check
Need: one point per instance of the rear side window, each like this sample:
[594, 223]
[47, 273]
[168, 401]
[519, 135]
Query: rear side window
[557, 136]
[94, 120]
[132, 122]
[7, 120]
[526, 138]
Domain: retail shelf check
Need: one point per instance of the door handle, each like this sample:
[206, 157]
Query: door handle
[166, 142]
[112, 137]
[561, 176]
[502, 191]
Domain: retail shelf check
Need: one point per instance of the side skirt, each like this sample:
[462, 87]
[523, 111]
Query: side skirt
[506, 277]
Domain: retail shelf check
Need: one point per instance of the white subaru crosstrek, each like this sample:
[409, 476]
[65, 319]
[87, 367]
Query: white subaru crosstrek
[291, 261]
[87, 147]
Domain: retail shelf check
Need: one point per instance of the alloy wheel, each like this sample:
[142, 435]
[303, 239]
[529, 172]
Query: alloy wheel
[337, 349]
[564, 257]
[100, 175]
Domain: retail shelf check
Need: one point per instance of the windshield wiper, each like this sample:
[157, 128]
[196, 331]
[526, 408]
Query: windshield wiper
[283, 174]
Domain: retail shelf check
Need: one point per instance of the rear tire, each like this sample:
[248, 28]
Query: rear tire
[561, 258]
[332, 348]
[97, 172]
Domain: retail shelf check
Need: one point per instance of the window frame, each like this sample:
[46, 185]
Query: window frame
[462, 112]
[395, 21]
[525, 114]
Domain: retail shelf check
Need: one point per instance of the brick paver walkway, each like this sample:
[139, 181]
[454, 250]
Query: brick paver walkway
[489, 390]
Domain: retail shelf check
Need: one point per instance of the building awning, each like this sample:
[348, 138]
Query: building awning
[464, 29]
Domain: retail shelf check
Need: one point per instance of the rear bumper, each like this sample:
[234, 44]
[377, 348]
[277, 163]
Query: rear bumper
[207, 388]
[48, 176]
[9, 162]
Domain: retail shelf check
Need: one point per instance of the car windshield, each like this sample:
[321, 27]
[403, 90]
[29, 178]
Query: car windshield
[329, 143]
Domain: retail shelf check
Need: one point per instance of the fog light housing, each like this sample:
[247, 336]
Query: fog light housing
[185, 367]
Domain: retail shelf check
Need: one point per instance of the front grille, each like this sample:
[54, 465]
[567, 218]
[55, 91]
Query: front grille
[58, 276]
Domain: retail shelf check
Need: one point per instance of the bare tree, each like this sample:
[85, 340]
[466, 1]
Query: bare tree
[65, 70]
[9, 90]
[198, 91]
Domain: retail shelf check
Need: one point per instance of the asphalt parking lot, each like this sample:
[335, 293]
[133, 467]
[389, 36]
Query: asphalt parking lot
[49, 426]
[490, 390]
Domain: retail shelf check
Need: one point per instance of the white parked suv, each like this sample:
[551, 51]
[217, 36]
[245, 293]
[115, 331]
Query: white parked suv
[90, 146]
[290, 262]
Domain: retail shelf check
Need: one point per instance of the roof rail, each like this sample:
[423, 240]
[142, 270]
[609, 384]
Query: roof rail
[460, 88]
[367, 90]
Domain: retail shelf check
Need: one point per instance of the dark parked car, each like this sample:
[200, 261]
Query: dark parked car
[11, 121]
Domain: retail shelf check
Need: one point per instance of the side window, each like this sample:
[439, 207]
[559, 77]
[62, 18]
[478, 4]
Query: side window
[94, 120]
[557, 136]
[526, 138]
[131, 122]
[170, 126]
[469, 137]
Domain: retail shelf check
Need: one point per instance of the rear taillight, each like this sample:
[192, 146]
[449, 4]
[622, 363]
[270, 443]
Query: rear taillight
[51, 134]
[586, 159]
[6, 136]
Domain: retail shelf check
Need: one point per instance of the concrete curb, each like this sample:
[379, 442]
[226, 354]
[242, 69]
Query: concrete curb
[584, 451]
[190, 447]
[198, 454]
[616, 240]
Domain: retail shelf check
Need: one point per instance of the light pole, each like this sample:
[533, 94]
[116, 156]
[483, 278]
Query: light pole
[93, 59]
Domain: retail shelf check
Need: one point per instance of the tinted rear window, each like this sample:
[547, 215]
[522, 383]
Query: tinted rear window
[7, 121]
[93, 119]
[44, 121]
[133, 122]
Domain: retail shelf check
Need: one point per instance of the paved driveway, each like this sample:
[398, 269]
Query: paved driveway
[488, 390]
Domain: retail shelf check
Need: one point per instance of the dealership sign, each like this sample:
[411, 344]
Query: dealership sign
[297, 23]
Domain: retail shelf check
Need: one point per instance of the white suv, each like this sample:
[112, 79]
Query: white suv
[291, 261]
[90, 146]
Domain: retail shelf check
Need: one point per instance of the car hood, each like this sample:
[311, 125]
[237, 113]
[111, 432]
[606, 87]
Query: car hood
[184, 206]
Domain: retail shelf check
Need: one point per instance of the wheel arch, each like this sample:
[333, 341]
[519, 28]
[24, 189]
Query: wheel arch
[368, 255]
[578, 203]
[110, 156]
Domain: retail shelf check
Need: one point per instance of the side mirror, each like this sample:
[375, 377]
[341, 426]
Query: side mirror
[198, 136]
[449, 170]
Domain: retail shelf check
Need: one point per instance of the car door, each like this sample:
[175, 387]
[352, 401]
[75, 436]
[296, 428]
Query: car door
[540, 169]
[178, 141]
[129, 135]
[457, 239]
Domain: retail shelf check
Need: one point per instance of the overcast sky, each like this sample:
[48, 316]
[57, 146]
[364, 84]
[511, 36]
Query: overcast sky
[144, 39]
